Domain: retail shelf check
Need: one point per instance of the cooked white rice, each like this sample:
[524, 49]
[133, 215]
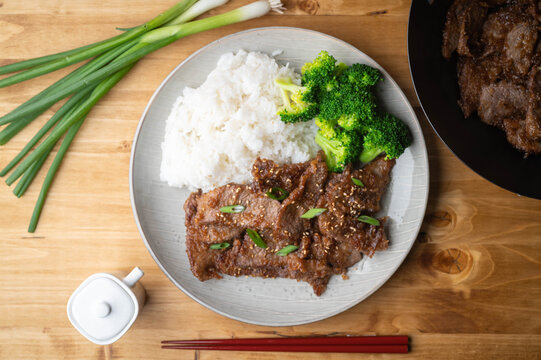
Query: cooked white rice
[215, 132]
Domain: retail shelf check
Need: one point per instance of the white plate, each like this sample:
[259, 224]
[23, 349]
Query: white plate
[273, 302]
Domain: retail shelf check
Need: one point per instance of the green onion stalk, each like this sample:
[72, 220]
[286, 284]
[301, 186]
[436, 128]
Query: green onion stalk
[66, 112]
[72, 124]
[51, 173]
[80, 73]
[46, 64]
[148, 43]
[34, 168]
[77, 114]
[112, 60]
[29, 176]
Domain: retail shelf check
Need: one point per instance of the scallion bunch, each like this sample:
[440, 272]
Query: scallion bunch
[110, 60]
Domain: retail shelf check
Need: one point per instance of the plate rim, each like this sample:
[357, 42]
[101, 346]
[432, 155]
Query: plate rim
[136, 213]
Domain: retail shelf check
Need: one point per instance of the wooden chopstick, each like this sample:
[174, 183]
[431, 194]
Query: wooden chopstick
[298, 348]
[359, 344]
[329, 340]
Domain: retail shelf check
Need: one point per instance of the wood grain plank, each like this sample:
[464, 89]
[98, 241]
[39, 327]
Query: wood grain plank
[140, 10]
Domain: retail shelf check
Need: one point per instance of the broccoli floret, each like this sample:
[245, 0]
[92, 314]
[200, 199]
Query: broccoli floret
[386, 134]
[339, 69]
[326, 127]
[361, 76]
[321, 69]
[319, 75]
[352, 108]
[330, 106]
[341, 149]
[296, 106]
[358, 110]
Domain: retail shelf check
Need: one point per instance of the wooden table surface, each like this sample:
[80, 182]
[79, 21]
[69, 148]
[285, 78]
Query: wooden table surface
[470, 288]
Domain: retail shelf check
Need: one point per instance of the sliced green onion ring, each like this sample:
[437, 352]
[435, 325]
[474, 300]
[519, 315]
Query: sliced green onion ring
[368, 220]
[220, 246]
[232, 209]
[286, 250]
[277, 193]
[256, 238]
[357, 182]
[312, 213]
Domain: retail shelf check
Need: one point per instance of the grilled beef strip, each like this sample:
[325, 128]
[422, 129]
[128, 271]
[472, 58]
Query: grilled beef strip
[322, 250]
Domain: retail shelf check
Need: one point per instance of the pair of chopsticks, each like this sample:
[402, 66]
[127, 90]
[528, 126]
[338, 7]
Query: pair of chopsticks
[336, 344]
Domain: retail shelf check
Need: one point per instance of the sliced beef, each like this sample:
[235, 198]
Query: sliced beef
[517, 136]
[464, 21]
[470, 29]
[533, 114]
[526, 135]
[511, 33]
[519, 46]
[472, 78]
[244, 258]
[206, 210]
[346, 201]
[496, 27]
[303, 181]
[267, 174]
[304, 197]
[498, 65]
[451, 32]
[501, 101]
[206, 224]
[322, 251]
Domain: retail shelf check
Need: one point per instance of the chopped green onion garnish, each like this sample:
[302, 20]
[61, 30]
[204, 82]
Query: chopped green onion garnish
[286, 250]
[312, 213]
[256, 238]
[232, 209]
[277, 193]
[357, 182]
[219, 246]
[368, 220]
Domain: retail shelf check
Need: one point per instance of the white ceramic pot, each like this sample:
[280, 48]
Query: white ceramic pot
[104, 307]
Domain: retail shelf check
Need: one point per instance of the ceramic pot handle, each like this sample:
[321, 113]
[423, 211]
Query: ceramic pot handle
[133, 277]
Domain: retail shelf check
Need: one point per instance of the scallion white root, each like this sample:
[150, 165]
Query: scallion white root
[276, 5]
[200, 7]
[244, 13]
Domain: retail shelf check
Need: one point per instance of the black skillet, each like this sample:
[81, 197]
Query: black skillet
[481, 147]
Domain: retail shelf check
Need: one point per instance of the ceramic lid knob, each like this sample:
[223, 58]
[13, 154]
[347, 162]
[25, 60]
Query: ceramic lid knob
[102, 309]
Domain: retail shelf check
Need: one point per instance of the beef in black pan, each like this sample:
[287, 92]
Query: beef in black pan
[499, 52]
